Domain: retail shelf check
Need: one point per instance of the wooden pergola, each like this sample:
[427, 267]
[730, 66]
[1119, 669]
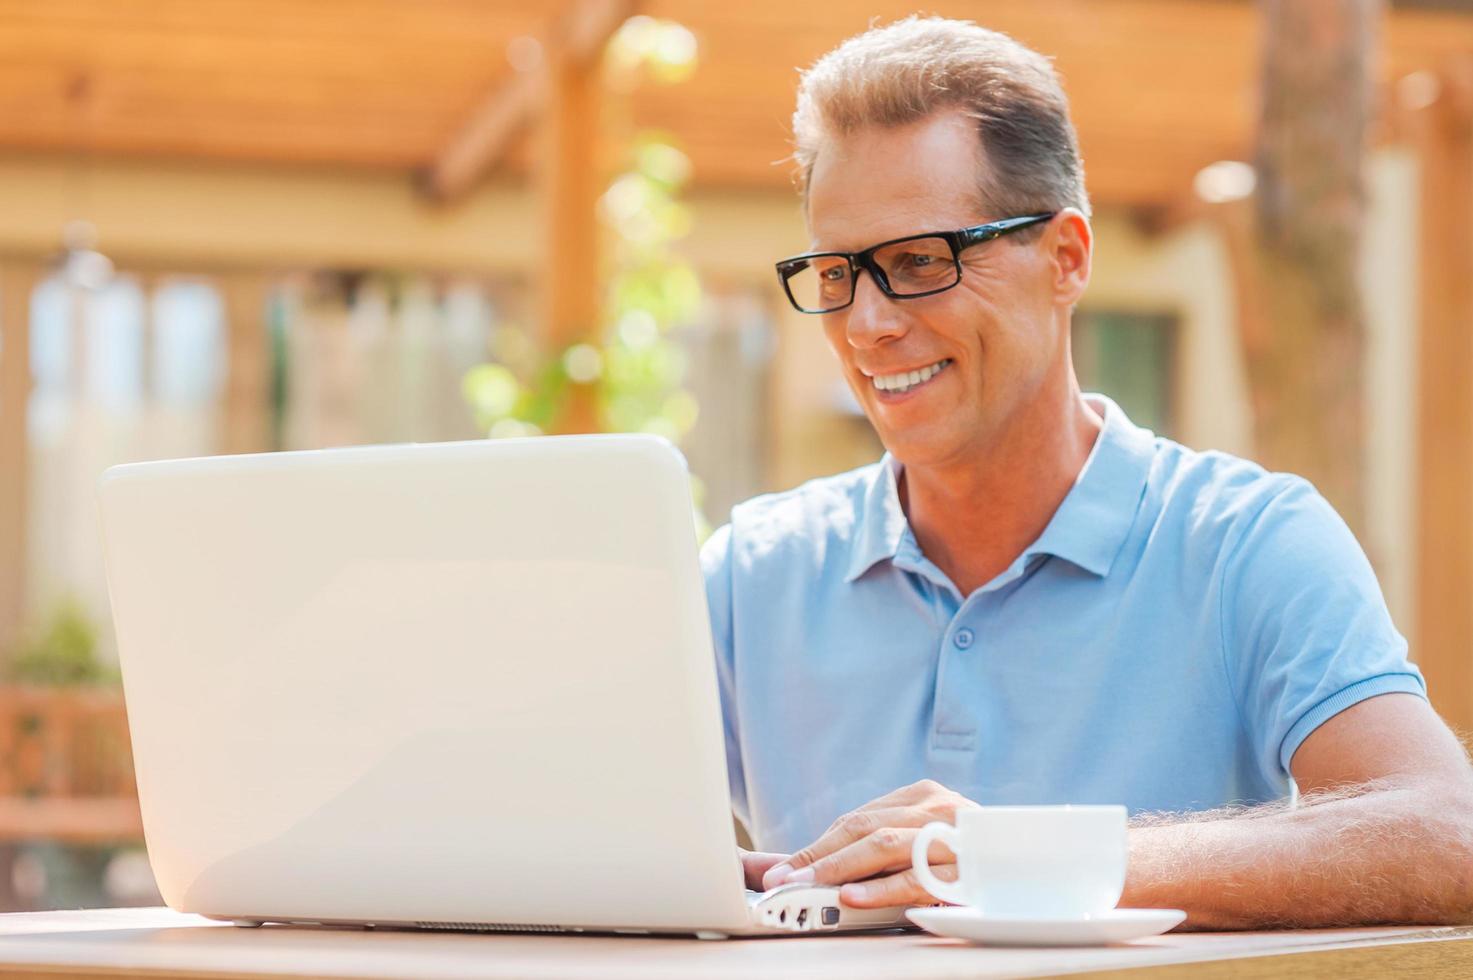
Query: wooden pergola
[1160, 89]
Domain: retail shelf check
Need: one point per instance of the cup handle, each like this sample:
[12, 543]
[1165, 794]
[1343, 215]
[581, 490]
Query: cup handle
[947, 891]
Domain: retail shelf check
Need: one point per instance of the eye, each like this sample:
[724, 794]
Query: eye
[834, 273]
[919, 263]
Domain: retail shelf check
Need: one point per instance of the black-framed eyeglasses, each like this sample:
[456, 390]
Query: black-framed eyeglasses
[903, 268]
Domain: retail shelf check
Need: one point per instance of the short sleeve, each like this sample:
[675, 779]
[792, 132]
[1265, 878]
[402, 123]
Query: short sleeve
[1306, 632]
[716, 566]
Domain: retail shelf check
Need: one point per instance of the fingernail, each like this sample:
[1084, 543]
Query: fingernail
[854, 893]
[801, 875]
[776, 874]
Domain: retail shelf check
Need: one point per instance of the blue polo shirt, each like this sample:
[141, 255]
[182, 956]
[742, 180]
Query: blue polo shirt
[1181, 625]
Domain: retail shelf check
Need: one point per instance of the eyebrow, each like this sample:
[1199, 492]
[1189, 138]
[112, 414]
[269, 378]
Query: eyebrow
[815, 247]
[941, 229]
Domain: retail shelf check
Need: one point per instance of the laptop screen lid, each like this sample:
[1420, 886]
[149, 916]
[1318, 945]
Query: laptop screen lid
[457, 682]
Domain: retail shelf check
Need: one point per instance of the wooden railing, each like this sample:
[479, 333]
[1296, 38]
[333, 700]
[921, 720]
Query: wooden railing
[66, 768]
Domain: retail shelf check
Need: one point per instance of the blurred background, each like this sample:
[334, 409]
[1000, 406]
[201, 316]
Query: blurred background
[236, 226]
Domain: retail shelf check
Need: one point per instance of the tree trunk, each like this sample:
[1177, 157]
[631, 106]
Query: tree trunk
[1305, 349]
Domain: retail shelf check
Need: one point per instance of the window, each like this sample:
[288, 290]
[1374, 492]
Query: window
[1131, 357]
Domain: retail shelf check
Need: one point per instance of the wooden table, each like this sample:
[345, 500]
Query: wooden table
[160, 943]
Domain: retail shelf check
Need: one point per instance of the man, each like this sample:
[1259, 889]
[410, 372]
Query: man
[1030, 599]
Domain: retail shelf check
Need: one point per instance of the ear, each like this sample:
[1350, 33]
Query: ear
[1070, 243]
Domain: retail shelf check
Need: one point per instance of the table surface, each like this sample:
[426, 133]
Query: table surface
[159, 942]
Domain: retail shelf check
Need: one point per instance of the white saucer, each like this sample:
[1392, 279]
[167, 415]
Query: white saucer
[1114, 926]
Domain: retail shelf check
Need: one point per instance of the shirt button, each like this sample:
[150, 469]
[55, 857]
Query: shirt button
[963, 638]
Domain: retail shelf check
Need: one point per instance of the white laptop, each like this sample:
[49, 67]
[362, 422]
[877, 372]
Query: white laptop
[449, 686]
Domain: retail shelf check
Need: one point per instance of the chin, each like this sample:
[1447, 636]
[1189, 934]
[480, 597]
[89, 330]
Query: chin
[942, 442]
[919, 449]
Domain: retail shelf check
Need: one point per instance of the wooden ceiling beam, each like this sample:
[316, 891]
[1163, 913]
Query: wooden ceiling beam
[269, 82]
[484, 139]
[576, 38]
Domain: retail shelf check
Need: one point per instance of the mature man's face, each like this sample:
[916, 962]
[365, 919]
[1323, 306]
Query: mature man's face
[995, 335]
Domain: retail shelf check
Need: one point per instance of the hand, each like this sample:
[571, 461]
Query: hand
[755, 864]
[874, 843]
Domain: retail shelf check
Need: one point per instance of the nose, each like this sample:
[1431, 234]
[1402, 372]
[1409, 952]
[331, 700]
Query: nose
[873, 317]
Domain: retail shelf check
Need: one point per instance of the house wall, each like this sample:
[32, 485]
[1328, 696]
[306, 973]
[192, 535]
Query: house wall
[166, 216]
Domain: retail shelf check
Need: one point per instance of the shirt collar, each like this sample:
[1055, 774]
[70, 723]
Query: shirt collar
[882, 523]
[1087, 530]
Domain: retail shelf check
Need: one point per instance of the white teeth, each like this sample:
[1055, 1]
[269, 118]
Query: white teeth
[908, 379]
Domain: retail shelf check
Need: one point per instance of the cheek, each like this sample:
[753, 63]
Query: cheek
[964, 322]
[834, 338]
[1001, 319]
[834, 333]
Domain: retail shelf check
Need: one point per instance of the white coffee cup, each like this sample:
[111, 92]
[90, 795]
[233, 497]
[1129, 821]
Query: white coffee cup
[1045, 862]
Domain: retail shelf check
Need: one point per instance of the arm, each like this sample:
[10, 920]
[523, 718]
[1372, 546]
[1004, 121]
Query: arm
[1383, 833]
[716, 560]
[1384, 830]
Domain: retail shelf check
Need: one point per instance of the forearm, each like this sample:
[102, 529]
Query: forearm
[1375, 853]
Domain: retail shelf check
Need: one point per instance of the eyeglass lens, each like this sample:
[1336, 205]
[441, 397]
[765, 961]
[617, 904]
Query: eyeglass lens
[911, 267]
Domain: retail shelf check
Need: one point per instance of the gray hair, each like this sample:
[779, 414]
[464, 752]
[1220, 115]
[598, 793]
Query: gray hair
[904, 72]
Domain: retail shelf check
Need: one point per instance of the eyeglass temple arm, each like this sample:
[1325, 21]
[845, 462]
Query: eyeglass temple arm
[995, 229]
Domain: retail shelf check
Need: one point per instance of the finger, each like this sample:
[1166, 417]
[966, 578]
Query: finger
[856, 826]
[887, 849]
[912, 796]
[921, 789]
[755, 864]
[906, 795]
[897, 889]
[867, 817]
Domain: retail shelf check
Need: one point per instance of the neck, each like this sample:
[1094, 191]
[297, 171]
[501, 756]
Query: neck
[974, 516]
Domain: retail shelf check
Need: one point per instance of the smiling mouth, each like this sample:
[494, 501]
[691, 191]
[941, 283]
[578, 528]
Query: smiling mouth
[898, 384]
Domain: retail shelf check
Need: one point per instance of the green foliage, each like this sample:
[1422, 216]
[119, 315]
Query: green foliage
[633, 367]
[62, 652]
[635, 370]
[661, 50]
